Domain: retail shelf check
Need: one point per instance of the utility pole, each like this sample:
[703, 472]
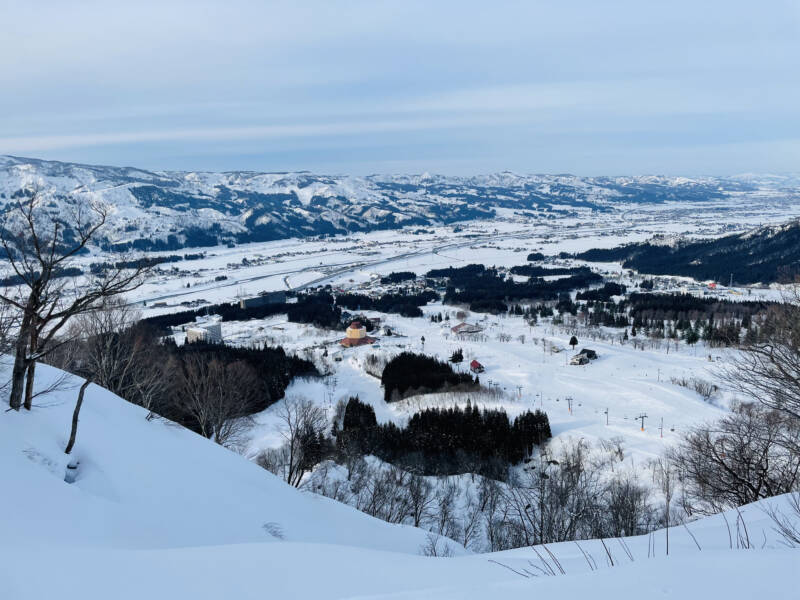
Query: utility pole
[661, 427]
[642, 417]
[606, 414]
[569, 404]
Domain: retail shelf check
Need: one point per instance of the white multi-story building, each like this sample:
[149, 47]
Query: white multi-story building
[205, 331]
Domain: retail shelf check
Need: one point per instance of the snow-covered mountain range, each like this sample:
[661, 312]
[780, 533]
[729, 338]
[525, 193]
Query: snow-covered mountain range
[161, 210]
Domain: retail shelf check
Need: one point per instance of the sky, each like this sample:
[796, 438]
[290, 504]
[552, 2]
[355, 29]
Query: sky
[575, 86]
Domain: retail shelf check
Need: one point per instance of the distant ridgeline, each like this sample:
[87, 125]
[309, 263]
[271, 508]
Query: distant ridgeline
[766, 255]
[166, 211]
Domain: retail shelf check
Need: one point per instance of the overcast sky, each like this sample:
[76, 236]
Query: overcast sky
[586, 87]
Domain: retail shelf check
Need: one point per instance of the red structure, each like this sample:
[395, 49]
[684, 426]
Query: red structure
[476, 367]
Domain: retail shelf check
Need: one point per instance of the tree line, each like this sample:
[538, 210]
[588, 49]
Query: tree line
[539, 271]
[211, 389]
[408, 373]
[765, 255]
[398, 277]
[556, 496]
[322, 309]
[485, 288]
[150, 261]
[406, 305]
[444, 441]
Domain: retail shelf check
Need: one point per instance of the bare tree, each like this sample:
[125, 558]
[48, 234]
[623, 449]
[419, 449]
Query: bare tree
[626, 508]
[421, 498]
[471, 520]
[40, 245]
[436, 545]
[219, 397]
[768, 368]
[787, 526]
[667, 477]
[75, 416]
[9, 322]
[446, 522]
[747, 455]
[121, 355]
[557, 500]
[301, 424]
[387, 494]
[495, 514]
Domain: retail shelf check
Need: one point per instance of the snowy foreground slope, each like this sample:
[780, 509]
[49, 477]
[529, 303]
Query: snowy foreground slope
[158, 512]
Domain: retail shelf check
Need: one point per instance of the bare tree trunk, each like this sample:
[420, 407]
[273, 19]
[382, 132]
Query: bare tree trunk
[20, 366]
[31, 373]
[34, 343]
[75, 414]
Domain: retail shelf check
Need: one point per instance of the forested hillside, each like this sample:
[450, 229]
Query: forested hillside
[766, 255]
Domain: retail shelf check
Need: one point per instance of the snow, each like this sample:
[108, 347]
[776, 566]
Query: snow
[159, 512]
[151, 484]
[627, 380]
[380, 201]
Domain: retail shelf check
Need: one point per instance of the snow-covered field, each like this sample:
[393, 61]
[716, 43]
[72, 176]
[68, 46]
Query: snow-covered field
[356, 259]
[526, 366]
[626, 380]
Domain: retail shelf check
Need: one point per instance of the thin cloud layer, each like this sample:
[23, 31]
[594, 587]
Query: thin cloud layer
[454, 87]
